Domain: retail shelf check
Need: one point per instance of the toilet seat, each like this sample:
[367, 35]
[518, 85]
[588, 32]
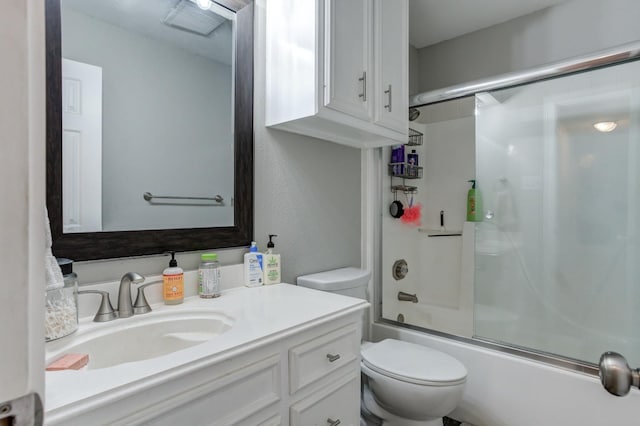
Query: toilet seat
[413, 363]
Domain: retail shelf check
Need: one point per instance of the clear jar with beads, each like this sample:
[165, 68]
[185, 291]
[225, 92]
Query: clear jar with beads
[61, 305]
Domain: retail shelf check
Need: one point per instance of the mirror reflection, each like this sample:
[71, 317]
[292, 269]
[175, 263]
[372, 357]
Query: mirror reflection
[147, 108]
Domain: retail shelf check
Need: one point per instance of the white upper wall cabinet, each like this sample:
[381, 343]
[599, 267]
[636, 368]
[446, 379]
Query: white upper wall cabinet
[391, 64]
[347, 58]
[338, 70]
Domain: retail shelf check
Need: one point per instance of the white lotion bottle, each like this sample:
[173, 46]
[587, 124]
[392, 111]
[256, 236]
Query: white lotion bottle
[253, 267]
[271, 264]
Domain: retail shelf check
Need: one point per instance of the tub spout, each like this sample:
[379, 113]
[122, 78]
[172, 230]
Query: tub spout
[406, 297]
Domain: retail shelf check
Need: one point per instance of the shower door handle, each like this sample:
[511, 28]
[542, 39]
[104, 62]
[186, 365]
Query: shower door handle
[615, 374]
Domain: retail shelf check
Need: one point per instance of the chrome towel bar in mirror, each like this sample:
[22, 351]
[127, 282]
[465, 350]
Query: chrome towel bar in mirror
[149, 196]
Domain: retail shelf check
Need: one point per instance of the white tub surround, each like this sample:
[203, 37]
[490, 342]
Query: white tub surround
[271, 367]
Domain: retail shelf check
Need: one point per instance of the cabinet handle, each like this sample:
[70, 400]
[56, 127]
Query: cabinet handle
[363, 79]
[388, 92]
[333, 422]
[333, 358]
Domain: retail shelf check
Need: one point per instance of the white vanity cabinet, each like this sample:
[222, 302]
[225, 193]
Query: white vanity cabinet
[252, 392]
[297, 362]
[338, 70]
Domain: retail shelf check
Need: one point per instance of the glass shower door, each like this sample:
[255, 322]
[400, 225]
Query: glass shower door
[556, 254]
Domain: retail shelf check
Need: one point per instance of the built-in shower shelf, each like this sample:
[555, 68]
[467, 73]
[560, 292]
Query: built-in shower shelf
[440, 232]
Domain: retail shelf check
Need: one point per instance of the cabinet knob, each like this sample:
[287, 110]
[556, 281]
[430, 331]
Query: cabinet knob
[363, 79]
[332, 357]
[388, 93]
[333, 422]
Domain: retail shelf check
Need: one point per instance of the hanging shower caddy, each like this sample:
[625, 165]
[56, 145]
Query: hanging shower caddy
[405, 170]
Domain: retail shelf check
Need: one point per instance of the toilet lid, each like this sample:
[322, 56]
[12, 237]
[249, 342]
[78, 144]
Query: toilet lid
[413, 363]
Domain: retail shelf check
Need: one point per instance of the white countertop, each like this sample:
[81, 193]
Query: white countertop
[260, 316]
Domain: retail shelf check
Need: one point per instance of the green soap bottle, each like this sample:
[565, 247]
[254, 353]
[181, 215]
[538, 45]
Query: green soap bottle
[474, 204]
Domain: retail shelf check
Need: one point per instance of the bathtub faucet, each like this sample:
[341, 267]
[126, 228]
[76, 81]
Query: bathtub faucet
[406, 297]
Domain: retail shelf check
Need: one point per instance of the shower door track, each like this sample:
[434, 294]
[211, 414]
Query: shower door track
[566, 363]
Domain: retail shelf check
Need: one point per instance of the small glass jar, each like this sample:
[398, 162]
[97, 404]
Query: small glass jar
[61, 305]
[209, 276]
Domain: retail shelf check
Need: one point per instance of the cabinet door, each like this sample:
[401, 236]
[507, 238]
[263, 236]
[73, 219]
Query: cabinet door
[336, 404]
[347, 57]
[391, 56]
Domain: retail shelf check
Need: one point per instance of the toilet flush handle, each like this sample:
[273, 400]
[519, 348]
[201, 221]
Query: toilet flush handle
[333, 422]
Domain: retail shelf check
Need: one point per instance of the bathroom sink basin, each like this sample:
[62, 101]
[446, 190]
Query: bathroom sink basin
[140, 337]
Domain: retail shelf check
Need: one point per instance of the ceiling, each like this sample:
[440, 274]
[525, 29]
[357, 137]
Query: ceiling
[138, 16]
[433, 21]
[430, 21]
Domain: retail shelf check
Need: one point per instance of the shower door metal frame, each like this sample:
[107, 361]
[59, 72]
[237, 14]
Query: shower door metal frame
[603, 58]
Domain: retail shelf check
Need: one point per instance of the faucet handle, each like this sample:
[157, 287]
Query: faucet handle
[105, 311]
[141, 306]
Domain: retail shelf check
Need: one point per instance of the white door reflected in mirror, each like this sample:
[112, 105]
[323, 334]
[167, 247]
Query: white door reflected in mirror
[81, 147]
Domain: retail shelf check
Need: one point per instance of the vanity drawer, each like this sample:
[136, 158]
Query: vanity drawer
[316, 358]
[335, 404]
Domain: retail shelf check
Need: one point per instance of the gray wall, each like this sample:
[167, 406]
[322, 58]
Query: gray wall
[166, 126]
[306, 190]
[568, 29]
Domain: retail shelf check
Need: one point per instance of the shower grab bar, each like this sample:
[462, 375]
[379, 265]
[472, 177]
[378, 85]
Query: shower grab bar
[149, 196]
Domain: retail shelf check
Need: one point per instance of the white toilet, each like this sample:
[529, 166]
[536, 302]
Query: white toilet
[408, 384]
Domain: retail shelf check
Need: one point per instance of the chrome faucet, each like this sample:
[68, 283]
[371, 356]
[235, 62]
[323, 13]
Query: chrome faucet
[125, 308]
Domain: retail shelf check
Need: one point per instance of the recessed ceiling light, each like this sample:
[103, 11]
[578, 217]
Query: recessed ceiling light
[605, 126]
[203, 4]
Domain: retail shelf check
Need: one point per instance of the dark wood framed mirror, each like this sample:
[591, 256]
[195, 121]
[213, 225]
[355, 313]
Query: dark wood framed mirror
[123, 243]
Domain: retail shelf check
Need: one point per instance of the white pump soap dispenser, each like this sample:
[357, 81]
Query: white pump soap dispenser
[271, 264]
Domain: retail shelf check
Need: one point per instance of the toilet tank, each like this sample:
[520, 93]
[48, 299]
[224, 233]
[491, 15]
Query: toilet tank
[346, 281]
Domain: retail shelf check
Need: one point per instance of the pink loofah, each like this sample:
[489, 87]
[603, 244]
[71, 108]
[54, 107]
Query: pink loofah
[412, 215]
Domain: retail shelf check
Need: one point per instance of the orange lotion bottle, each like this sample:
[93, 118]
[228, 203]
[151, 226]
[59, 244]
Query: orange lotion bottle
[173, 282]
